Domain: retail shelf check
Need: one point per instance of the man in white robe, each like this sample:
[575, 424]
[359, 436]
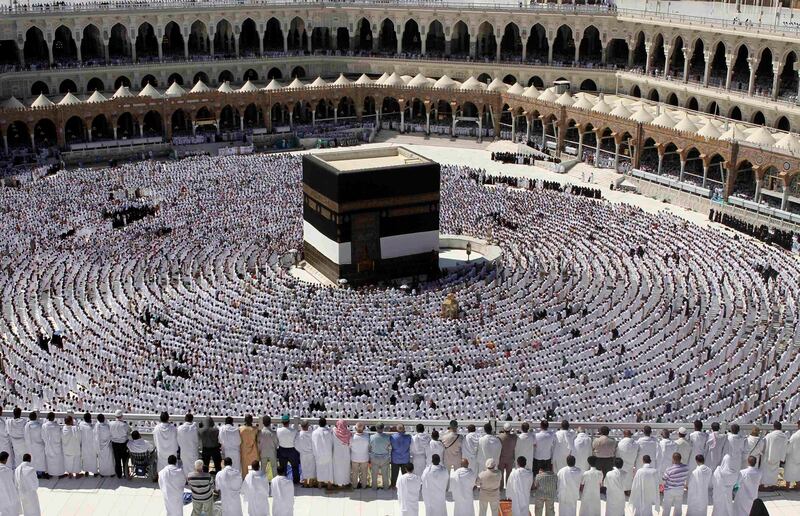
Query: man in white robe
[165, 437]
[736, 447]
[699, 440]
[88, 445]
[322, 444]
[308, 466]
[684, 446]
[71, 444]
[563, 445]
[526, 441]
[188, 442]
[791, 470]
[255, 490]
[469, 449]
[282, 494]
[54, 452]
[9, 497]
[569, 487]
[489, 447]
[749, 480]
[231, 442]
[666, 449]
[5, 438]
[434, 487]
[171, 480]
[16, 433]
[644, 491]
[699, 482]
[591, 482]
[27, 485]
[775, 447]
[462, 482]
[420, 443]
[627, 450]
[408, 488]
[518, 488]
[583, 449]
[716, 446]
[648, 445]
[615, 489]
[229, 484]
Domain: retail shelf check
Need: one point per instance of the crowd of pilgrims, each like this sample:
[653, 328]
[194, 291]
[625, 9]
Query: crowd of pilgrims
[782, 238]
[528, 466]
[482, 178]
[689, 325]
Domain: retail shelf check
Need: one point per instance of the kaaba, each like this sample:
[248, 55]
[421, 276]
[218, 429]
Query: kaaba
[371, 215]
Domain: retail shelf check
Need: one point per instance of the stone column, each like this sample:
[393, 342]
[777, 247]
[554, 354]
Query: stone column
[660, 162]
[528, 122]
[447, 46]
[497, 42]
[616, 156]
[687, 57]
[473, 46]
[106, 52]
[115, 131]
[707, 54]
[752, 63]
[50, 44]
[785, 196]
[580, 143]
[683, 167]
[544, 131]
[576, 39]
[313, 117]
[423, 41]
[186, 46]
[335, 115]
[631, 52]
[760, 172]
[705, 173]
[776, 77]
[428, 123]
[133, 49]
[604, 52]
[308, 41]
[598, 136]
[5, 143]
[647, 58]
[667, 55]
[33, 142]
[550, 51]
[236, 44]
[79, 51]
[729, 73]
[285, 41]
[513, 128]
[402, 120]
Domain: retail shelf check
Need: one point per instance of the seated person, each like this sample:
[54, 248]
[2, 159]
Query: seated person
[143, 455]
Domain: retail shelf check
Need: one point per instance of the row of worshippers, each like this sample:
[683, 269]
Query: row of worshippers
[573, 487]
[770, 235]
[229, 487]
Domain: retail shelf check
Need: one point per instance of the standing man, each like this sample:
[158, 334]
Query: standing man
[776, 444]
[666, 449]
[408, 486]
[583, 449]
[380, 453]
[563, 446]
[401, 451]
[508, 445]
[171, 481]
[16, 432]
[451, 440]
[34, 442]
[434, 488]
[9, 498]
[736, 447]
[569, 487]
[791, 470]
[627, 450]
[208, 435]
[71, 444]
[674, 481]
[120, 433]
[231, 443]
[716, 446]
[201, 484]
[359, 458]
[5, 438]
[749, 480]
[248, 444]
[229, 483]
[591, 482]
[420, 443]
[545, 493]
[53, 449]
[305, 448]
[605, 449]
[268, 445]
[518, 490]
[255, 490]
[165, 437]
[615, 489]
[469, 448]
[462, 482]
[684, 446]
[27, 484]
[526, 442]
[699, 482]
[322, 443]
[282, 494]
[644, 493]
[648, 445]
[543, 453]
[189, 444]
[489, 446]
[699, 440]
[489, 483]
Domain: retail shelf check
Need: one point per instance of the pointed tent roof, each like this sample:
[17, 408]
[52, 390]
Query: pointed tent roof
[175, 90]
[761, 136]
[733, 132]
[364, 79]
[12, 103]
[406, 78]
[497, 85]
[394, 80]
[382, 78]
[419, 81]
[445, 83]
[319, 81]
[473, 84]
[709, 130]
[199, 87]
[583, 102]
[515, 89]
[296, 83]
[531, 92]
[273, 85]
[788, 142]
[248, 86]
[342, 80]
[621, 110]
[150, 91]
[684, 124]
[601, 106]
[642, 115]
[565, 99]
[664, 119]
[41, 101]
[96, 98]
[69, 100]
[548, 95]
[122, 91]
[225, 87]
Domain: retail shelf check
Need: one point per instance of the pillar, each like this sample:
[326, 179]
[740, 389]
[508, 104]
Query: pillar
[473, 45]
[683, 167]
[423, 44]
[550, 52]
[528, 122]
[544, 131]
[647, 58]
[211, 45]
[480, 129]
[308, 41]
[687, 57]
[631, 52]
[428, 123]
[580, 143]
[776, 70]
[667, 55]
[21, 53]
[115, 131]
[291, 118]
[785, 196]
[399, 37]
[335, 115]
[402, 119]
[285, 40]
[707, 54]
[50, 51]
[241, 123]
[260, 44]
[133, 49]
[524, 49]
[313, 117]
[79, 52]
[616, 157]
[106, 52]
[729, 73]
[705, 173]
[759, 180]
[33, 142]
[161, 48]
[447, 47]
[513, 128]
[353, 42]
[236, 44]
[141, 130]
[752, 63]
[5, 143]
[576, 39]
[604, 52]
[497, 42]
[186, 47]
[598, 136]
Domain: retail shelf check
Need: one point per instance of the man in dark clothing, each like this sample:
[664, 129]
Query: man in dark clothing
[209, 442]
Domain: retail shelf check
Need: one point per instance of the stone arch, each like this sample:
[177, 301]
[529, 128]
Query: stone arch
[764, 73]
[274, 73]
[126, 126]
[119, 43]
[146, 42]
[713, 108]
[435, 39]
[412, 39]
[485, 78]
[657, 59]
[181, 123]
[225, 75]
[511, 42]
[719, 68]
[591, 48]
[510, 79]
[39, 87]
[201, 76]
[229, 118]
[152, 124]
[297, 38]
[346, 107]
[64, 47]
[18, 135]
[639, 51]
[697, 64]
[67, 85]
[537, 47]
[783, 124]
[653, 95]
[224, 39]
[691, 103]
[387, 37]
[149, 79]
[536, 81]
[273, 36]
[460, 39]
[250, 75]
[100, 128]
[92, 45]
[636, 92]
[45, 133]
[248, 38]
[172, 42]
[320, 38]
[364, 36]
[740, 77]
[788, 80]
[676, 59]
[35, 48]
[121, 81]
[175, 77]
[95, 84]
[564, 44]
[617, 53]
[588, 85]
[74, 130]
[735, 113]
[745, 180]
[758, 118]
[199, 42]
[253, 117]
[672, 99]
[298, 72]
[342, 39]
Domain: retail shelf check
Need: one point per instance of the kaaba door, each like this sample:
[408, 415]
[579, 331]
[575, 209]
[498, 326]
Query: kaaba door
[365, 239]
